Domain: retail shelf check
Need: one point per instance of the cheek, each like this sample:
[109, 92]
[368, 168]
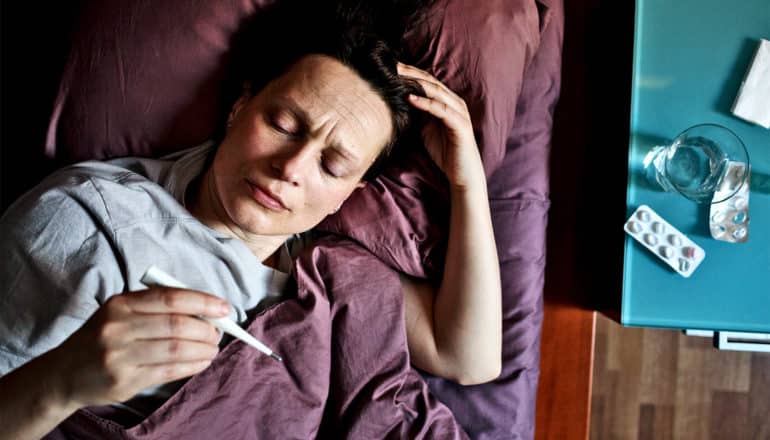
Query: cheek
[324, 199]
[250, 140]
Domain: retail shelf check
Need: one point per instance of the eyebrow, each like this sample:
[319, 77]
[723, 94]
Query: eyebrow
[304, 118]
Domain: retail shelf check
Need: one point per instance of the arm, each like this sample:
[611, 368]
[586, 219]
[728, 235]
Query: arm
[456, 331]
[34, 404]
[59, 350]
[136, 340]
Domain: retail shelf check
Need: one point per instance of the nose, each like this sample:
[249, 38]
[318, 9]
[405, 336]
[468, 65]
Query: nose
[294, 163]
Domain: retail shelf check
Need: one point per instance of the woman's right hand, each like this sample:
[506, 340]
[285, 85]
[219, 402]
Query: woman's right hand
[137, 340]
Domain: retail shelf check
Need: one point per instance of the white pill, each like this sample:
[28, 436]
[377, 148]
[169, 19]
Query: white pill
[674, 240]
[718, 217]
[683, 265]
[666, 251]
[739, 202]
[634, 227]
[643, 216]
[718, 230]
[739, 233]
[658, 228]
[650, 239]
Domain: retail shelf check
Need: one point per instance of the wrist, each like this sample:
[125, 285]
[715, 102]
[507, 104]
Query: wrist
[55, 394]
[469, 175]
[33, 403]
[472, 186]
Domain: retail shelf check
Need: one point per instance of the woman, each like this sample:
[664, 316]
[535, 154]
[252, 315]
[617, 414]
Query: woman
[292, 153]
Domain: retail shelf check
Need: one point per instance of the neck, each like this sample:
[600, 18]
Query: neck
[202, 202]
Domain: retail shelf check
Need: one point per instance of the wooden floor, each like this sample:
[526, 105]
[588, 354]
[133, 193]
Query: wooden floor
[661, 384]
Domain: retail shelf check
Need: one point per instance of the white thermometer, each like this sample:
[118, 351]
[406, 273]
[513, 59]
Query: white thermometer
[156, 277]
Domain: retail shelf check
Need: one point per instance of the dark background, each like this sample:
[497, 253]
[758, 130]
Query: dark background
[34, 39]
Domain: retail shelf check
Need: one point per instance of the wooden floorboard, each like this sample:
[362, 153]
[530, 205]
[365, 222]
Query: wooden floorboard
[563, 395]
[660, 384]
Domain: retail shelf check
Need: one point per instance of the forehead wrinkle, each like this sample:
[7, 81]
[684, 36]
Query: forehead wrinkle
[321, 86]
[339, 111]
[363, 110]
[327, 124]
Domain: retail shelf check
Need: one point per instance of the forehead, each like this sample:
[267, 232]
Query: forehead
[330, 93]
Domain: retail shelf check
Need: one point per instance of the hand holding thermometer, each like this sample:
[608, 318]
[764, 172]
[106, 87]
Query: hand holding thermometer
[156, 277]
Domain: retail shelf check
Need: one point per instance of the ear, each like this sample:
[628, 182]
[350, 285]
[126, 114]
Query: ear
[242, 100]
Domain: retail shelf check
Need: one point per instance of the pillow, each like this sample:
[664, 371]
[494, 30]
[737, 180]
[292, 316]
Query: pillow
[146, 78]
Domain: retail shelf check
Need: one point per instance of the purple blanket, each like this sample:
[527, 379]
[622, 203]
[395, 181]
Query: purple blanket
[346, 371]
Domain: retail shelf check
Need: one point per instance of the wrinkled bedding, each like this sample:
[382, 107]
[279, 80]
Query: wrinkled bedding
[346, 371]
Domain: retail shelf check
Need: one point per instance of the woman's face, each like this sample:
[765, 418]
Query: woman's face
[293, 153]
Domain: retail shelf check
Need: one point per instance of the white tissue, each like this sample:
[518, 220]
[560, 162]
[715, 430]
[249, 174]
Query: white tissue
[753, 101]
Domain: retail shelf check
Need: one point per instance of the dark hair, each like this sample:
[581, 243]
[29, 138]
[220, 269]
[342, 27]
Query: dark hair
[366, 36]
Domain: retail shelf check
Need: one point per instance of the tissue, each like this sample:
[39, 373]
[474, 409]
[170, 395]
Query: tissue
[753, 101]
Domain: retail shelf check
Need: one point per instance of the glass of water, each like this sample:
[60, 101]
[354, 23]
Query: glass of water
[697, 161]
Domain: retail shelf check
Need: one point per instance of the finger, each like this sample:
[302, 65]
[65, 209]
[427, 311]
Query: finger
[172, 325]
[415, 73]
[162, 351]
[171, 300]
[432, 90]
[408, 68]
[162, 373]
[422, 74]
[440, 110]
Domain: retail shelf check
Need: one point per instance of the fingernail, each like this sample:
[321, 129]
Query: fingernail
[224, 308]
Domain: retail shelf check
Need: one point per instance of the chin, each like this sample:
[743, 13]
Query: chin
[258, 221]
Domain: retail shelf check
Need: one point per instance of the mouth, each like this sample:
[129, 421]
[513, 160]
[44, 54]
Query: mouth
[266, 198]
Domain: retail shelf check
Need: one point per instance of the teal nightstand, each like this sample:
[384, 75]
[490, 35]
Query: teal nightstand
[689, 59]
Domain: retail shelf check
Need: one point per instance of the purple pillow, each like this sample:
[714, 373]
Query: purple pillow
[144, 77]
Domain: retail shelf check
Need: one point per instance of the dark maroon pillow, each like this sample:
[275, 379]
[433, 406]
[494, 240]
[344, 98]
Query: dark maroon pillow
[144, 77]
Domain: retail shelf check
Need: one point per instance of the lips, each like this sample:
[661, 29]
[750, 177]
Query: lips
[264, 197]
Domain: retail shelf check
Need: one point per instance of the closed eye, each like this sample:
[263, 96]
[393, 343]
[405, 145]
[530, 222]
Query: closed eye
[281, 124]
[327, 169]
[278, 127]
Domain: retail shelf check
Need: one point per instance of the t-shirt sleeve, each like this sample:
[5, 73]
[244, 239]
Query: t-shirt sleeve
[58, 267]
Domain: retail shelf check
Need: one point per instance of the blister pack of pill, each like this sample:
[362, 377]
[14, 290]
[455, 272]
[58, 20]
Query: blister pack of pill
[665, 241]
[729, 219]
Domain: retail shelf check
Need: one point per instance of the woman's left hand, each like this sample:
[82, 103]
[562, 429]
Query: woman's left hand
[448, 136]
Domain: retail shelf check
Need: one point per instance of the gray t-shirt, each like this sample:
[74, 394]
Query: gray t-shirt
[91, 230]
